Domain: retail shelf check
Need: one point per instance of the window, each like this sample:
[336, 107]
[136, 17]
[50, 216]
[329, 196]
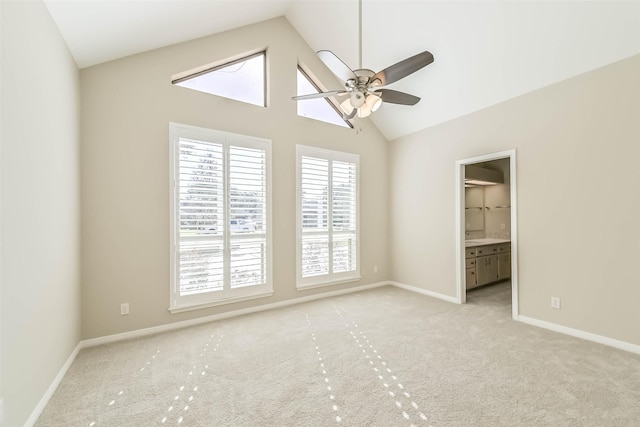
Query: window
[242, 80]
[327, 217]
[220, 217]
[319, 109]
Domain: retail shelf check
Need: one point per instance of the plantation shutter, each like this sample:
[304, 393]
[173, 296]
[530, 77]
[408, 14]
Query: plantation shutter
[248, 211]
[201, 197]
[315, 216]
[344, 216]
[327, 216]
[220, 217]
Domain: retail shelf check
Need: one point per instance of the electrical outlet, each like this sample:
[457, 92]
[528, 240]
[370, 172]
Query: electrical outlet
[375, 269]
[555, 302]
[502, 226]
[124, 308]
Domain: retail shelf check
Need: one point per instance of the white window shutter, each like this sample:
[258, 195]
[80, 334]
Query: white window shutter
[220, 218]
[328, 236]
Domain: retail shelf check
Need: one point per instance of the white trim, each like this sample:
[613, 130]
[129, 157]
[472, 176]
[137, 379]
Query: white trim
[513, 196]
[186, 323]
[177, 302]
[224, 301]
[329, 283]
[1, 412]
[622, 345]
[331, 156]
[425, 292]
[461, 296]
[37, 411]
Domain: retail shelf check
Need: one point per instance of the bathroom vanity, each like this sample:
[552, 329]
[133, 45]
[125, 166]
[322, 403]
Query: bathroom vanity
[487, 261]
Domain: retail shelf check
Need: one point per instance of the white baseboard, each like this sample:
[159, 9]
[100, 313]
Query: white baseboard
[425, 292]
[169, 327]
[52, 388]
[186, 323]
[622, 345]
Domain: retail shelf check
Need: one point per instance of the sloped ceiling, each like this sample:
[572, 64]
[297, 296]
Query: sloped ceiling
[485, 51]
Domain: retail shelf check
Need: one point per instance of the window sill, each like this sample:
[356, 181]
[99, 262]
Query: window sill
[219, 302]
[304, 287]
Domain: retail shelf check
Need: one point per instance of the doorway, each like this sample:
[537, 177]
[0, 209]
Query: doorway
[510, 228]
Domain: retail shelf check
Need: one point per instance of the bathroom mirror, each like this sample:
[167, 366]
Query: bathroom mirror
[474, 208]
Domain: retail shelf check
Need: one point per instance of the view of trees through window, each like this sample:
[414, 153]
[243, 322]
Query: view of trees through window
[328, 216]
[221, 211]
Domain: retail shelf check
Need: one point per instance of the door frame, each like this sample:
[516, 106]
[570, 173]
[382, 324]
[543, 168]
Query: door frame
[461, 294]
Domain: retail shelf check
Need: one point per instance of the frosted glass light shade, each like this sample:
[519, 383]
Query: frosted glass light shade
[365, 104]
[364, 111]
[374, 102]
[357, 99]
[346, 106]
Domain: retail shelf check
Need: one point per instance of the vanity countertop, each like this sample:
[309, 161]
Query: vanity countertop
[471, 243]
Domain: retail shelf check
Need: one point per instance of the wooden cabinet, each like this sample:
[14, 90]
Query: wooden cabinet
[486, 269]
[471, 278]
[486, 250]
[487, 264]
[471, 268]
[504, 265]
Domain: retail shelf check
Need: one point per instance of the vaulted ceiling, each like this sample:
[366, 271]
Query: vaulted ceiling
[485, 51]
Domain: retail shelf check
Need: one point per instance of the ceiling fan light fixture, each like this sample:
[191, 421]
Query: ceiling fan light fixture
[357, 99]
[346, 106]
[373, 101]
[362, 83]
[364, 111]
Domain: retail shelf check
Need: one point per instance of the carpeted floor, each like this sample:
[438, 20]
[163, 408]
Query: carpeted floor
[383, 357]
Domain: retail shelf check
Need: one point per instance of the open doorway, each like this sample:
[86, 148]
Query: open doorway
[486, 220]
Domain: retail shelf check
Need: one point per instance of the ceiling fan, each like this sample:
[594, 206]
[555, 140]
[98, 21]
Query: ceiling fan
[364, 86]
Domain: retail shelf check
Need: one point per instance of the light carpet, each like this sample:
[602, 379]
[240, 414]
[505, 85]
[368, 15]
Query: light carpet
[382, 357]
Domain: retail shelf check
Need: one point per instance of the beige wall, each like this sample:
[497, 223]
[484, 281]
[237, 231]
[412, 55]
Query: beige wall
[127, 105]
[577, 148]
[40, 206]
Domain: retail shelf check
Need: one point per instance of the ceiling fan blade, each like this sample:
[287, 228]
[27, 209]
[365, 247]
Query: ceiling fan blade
[335, 64]
[395, 97]
[318, 95]
[402, 69]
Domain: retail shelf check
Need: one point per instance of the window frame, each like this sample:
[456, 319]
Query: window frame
[331, 278]
[179, 303]
[200, 71]
[329, 100]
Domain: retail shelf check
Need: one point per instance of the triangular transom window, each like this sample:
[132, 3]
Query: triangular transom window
[242, 80]
[320, 108]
